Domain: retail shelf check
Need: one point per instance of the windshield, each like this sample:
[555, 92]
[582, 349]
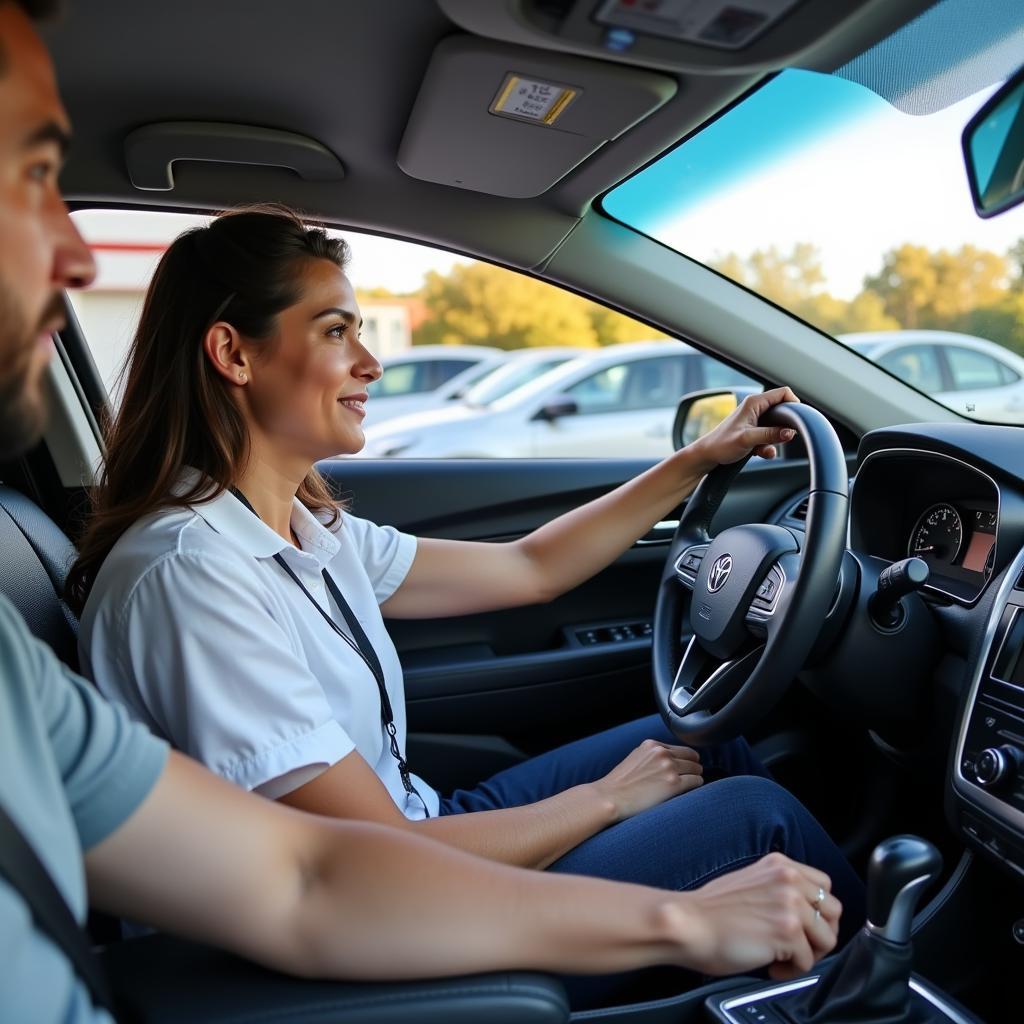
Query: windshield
[848, 206]
[507, 378]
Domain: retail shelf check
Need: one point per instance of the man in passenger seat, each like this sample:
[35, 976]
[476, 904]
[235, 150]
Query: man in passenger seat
[121, 822]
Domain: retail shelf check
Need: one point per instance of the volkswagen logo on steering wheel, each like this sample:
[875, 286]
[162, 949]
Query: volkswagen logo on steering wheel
[719, 573]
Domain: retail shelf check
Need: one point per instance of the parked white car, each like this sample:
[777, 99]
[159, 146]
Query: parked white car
[522, 366]
[427, 376]
[976, 377]
[618, 401]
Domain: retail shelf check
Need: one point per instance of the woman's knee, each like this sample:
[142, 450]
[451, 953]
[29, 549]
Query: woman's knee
[763, 806]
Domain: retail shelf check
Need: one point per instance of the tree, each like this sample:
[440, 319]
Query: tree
[796, 282]
[920, 288]
[866, 312]
[1002, 322]
[1015, 258]
[787, 279]
[484, 305]
[612, 327]
[906, 283]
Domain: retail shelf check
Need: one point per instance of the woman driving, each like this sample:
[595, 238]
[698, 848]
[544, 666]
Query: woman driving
[237, 609]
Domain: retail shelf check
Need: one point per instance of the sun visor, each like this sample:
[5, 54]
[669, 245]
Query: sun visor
[511, 122]
[950, 52]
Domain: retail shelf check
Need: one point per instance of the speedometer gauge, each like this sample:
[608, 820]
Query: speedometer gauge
[938, 534]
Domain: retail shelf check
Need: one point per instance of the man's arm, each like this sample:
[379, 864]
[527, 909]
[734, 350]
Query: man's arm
[317, 897]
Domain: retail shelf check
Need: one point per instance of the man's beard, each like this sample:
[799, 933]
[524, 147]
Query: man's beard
[22, 408]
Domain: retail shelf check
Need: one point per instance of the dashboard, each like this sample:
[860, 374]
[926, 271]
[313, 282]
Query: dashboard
[952, 495]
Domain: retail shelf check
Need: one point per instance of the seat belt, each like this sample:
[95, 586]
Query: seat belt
[50, 913]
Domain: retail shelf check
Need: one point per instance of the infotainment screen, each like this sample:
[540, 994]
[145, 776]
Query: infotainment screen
[981, 540]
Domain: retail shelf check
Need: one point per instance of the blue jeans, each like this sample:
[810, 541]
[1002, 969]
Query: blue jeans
[735, 818]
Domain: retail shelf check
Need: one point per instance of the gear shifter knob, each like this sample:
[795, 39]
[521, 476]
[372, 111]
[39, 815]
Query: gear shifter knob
[899, 871]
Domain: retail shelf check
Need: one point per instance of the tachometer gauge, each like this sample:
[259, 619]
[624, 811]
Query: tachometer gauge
[938, 534]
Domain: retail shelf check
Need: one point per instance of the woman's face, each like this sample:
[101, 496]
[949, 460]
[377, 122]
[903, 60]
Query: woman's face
[308, 384]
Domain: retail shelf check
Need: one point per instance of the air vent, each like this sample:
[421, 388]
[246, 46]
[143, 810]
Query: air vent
[799, 510]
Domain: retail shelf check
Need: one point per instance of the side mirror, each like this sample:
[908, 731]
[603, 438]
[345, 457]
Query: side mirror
[557, 408]
[701, 411]
[993, 144]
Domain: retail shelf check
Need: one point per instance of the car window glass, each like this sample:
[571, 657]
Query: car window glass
[415, 299]
[840, 196]
[1006, 375]
[720, 375]
[655, 383]
[973, 370]
[600, 392]
[402, 379]
[917, 365]
[506, 379]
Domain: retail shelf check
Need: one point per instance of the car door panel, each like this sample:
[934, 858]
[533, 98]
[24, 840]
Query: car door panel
[524, 674]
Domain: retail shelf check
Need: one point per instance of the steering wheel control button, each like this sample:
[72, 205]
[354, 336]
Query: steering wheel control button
[766, 596]
[736, 564]
[689, 562]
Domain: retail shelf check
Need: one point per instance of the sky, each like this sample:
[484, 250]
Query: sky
[866, 181]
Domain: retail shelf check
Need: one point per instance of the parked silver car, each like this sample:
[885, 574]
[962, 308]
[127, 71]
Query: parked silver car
[427, 376]
[971, 375]
[618, 401]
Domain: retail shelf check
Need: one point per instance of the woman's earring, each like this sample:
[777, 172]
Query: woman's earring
[242, 378]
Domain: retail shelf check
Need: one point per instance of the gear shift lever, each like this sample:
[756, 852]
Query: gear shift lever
[869, 981]
[900, 869]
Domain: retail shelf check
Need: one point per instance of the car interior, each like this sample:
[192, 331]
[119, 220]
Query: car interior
[888, 698]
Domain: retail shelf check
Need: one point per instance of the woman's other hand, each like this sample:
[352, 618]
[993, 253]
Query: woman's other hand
[765, 914]
[738, 434]
[648, 776]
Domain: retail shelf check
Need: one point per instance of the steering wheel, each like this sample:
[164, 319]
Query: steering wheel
[756, 595]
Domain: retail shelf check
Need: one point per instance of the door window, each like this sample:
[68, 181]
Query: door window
[973, 371]
[720, 375]
[412, 295]
[916, 365]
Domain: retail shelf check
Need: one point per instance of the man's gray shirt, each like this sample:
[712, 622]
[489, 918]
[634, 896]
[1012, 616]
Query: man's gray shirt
[72, 769]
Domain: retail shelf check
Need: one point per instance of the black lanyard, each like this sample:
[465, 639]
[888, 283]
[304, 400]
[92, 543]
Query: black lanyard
[362, 646]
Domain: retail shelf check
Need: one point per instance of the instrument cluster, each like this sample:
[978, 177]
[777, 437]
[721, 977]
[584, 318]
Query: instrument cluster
[955, 534]
[930, 506]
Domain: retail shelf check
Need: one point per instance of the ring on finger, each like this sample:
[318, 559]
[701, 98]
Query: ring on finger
[817, 902]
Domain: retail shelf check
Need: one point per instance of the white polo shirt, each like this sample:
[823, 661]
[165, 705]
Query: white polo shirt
[196, 629]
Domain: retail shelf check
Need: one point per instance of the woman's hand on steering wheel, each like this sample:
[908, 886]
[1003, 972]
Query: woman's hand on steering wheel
[738, 434]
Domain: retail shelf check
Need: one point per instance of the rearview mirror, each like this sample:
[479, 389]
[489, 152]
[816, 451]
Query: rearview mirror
[993, 143]
[701, 411]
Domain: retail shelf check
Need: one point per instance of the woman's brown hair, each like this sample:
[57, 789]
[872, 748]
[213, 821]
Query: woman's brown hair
[175, 413]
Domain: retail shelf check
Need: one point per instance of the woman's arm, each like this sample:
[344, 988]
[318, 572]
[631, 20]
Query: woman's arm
[322, 898]
[461, 577]
[532, 836]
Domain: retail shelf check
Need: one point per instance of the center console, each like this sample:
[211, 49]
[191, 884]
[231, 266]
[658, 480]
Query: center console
[988, 767]
[869, 981]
